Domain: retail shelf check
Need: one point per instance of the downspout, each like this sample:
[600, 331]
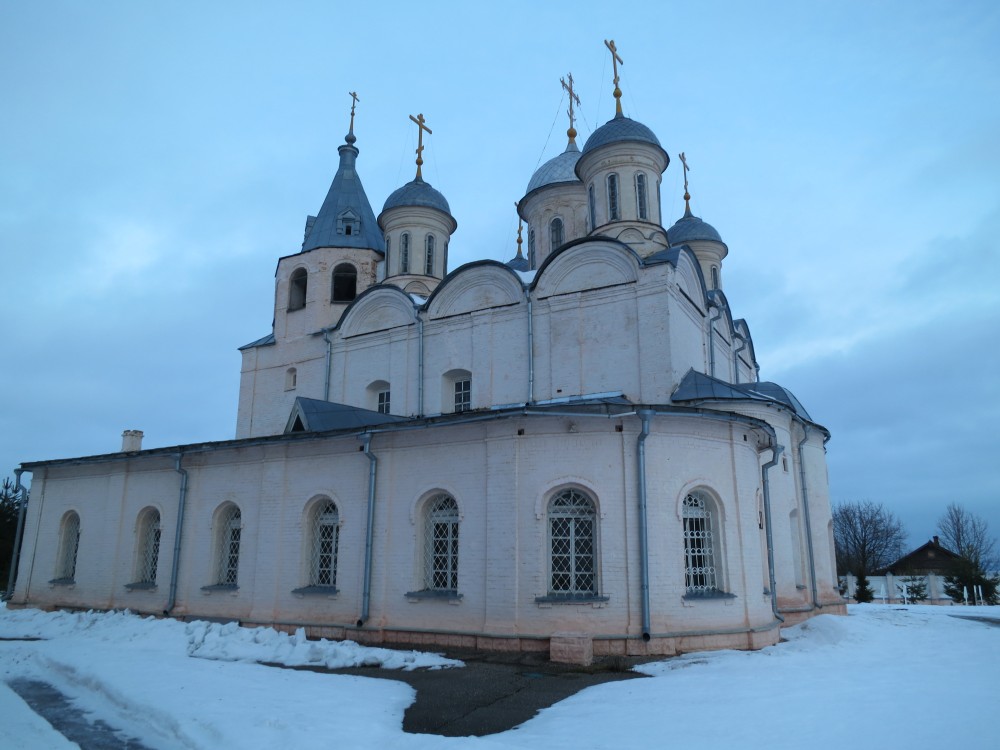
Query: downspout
[772, 583]
[711, 339]
[736, 357]
[420, 366]
[805, 511]
[531, 350]
[181, 502]
[646, 416]
[366, 593]
[329, 362]
[22, 494]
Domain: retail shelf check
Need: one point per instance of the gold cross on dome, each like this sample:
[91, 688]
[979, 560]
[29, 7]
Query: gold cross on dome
[421, 127]
[572, 98]
[687, 196]
[615, 60]
[354, 101]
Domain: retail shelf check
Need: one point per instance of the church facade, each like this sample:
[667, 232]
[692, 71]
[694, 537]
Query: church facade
[568, 452]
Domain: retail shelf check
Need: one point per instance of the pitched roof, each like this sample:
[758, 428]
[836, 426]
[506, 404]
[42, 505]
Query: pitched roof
[927, 558]
[314, 415]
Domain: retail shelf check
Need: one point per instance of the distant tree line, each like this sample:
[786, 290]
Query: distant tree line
[869, 538]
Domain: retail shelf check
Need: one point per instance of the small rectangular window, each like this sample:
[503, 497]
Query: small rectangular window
[383, 402]
[463, 395]
[640, 195]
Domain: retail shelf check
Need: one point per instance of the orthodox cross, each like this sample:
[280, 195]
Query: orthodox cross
[572, 98]
[354, 101]
[520, 227]
[421, 127]
[687, 196]
[615, 60]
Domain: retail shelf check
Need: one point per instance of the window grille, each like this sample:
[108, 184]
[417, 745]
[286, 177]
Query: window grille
[297, 289]
[404, 253]
[229, 546]
[69, 546]
[613, 197]
[441, 544]
[345, 283]
[531, 248]
[463, 395]
[383, 402]
[640, 195]
[699, 546]
[429, 262]
[326, 541]
[572, 523]
[593, 207]
[149, 549]
[556, 233]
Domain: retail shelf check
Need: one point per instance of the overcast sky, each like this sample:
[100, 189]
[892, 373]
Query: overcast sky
[157, 158]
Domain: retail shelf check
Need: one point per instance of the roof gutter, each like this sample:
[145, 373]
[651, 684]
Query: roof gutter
[711, 338]
[805, 511]
[175, 563]
[366, 594]
[772, 583]
[646, 416]
[329, 364]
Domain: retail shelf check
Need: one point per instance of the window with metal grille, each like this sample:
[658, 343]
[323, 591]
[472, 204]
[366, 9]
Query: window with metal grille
[556, 233]
[149, 546]
[69, 545]
[640, 195]
[230, 528]
[613, 197]
[699, 545]
[325, 542]
[297, 289]
[441, 544]
[383, 402]
[429, 258]
[572, 527]
[463, 395]
[404, 253]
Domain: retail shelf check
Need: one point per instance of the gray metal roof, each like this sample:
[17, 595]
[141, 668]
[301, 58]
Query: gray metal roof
[689, 228]
[314, 415]
[620, 128]
[697, 386]
[417, 193]
[519, 262]
[346, 199]
[263, 341]
[556, 170]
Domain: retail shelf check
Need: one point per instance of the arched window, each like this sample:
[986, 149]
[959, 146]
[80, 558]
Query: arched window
[715, 277]
[700, 545]
[613, 213]
[593, 207]
[325, 537]
[291, 379]
[441, 544]
[404, 253]
[148, 550]
[69, 544]
[531, 248]
[379, 396]
[345, 283]
[227, 543]
[556, 233]
[640, 196]
[456, 391]
[572, 540]
[388, 244]
[297, 289]
[429, 256]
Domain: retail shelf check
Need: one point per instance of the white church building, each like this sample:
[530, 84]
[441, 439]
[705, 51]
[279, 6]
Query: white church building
[569, 452]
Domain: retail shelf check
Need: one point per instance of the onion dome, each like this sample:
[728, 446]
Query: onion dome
[557, 170]
[518, 262]
[622, 129]
[417, 193]
[690, 228]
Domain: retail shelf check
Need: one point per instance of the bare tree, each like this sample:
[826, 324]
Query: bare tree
[968, 535]
[867, 537]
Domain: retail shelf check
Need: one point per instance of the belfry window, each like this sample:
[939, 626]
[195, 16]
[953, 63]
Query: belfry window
[640, 196]
[572, 544]
[297, 289]
[531, 248]
[441, 544]
[345, 283]
[429, 257]
[613, 213]
[404, 253]
[556, 233]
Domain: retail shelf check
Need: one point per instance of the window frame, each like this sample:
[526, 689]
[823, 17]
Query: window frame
[298, 289]
[228, 547]
[463, 395]
[704, 569]
[556, 233]
[429, 255]
[324, 515]
[404, 252]
[567, 510]
[69, 548]
[614, 197]
[149, 535]
[641, 196]
[441, 525]
[338, 291]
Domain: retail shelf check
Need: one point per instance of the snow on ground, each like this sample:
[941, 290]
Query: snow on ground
[883, 677]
